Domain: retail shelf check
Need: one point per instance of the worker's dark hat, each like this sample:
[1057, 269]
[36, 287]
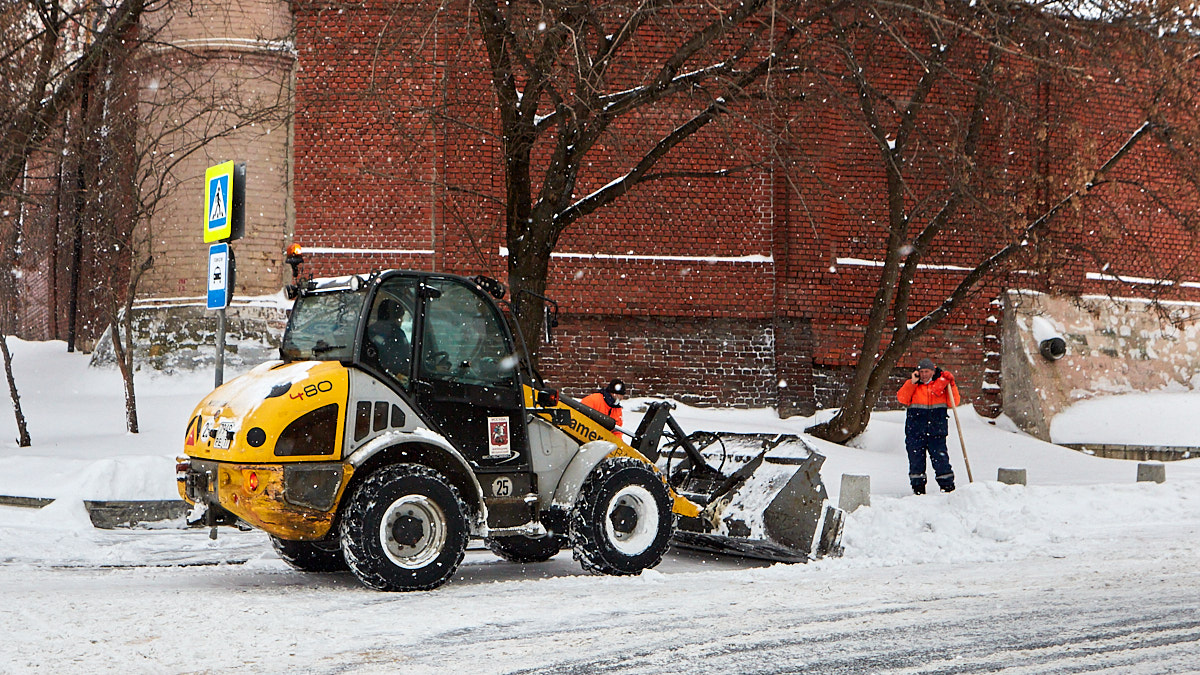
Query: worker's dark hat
[926, 363]
[616, 387]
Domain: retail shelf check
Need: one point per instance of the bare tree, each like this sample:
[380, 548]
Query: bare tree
[160, 105]
[47, 49]
[133, 108]
[963, 135]
[7, 255]
[574, 80]
[50, 47]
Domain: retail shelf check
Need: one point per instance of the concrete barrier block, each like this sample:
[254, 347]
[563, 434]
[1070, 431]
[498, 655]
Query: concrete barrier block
[1152, 471]
[856, 492]
[1011, 476]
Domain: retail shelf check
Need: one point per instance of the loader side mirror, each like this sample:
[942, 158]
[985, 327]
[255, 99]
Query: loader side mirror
[549, 321]
[547, 398]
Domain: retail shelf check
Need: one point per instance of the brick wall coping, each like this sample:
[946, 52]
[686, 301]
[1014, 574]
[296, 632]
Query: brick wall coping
[255, 45]
[331, 250]
[1102, 297]
[751, 258]
[860, 262]
[1100, 276]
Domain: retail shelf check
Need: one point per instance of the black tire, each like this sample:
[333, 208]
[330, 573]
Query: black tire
[622, 522]
[311, 556]
[520, 549]
[404, 529]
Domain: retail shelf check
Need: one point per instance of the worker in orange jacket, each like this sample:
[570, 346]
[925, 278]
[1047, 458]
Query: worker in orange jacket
[927, 394]
[608, 400]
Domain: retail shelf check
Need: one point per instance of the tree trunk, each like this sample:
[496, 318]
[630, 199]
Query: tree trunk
[121, 324]
[527, 272]
[852, 418]
[125, 365]
[22, 430]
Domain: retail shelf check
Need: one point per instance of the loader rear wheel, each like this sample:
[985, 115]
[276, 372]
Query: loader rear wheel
[310, 556]
[520, 549]
[404, 529]
[622, 522]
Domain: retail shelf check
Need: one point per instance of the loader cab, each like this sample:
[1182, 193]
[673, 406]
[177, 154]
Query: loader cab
[438, 340]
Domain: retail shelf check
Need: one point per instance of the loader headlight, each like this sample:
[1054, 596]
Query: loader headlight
[256, 437]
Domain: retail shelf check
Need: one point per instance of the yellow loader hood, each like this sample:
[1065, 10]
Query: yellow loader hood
[276, 412]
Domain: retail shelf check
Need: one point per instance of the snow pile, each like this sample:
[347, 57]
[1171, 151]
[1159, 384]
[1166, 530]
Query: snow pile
[61, 535]
[992, 522]
[1158, 418]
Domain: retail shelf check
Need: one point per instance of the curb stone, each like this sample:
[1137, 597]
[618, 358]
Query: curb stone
[110, 515]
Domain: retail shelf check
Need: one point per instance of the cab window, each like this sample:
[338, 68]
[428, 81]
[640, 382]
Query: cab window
[389, 336]
[464, 340]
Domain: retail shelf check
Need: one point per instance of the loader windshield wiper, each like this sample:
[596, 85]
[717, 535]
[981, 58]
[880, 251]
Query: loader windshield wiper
[322, 326]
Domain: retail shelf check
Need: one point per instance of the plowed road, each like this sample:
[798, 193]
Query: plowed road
[1123, 602]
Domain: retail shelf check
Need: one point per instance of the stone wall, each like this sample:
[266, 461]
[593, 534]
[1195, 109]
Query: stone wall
[1114, 346]
[175, 337]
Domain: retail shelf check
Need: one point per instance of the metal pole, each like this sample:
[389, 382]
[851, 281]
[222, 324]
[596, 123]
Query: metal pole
[220, 347]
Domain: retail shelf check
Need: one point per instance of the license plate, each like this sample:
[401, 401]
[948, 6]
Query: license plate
[224, 436]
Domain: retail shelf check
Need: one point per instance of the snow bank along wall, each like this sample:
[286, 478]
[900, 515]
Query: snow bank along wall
[751, 290]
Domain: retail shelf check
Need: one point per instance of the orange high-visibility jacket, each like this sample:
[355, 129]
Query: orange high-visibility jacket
[596, 401]
[936, 394]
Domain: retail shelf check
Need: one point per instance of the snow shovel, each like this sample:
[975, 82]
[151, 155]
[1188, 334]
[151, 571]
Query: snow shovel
[967, 462]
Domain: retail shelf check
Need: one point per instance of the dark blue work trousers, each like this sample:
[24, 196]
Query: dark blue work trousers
[925, 431]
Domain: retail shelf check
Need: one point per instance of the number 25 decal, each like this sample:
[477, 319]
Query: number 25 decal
[502, 487]
[311, 390]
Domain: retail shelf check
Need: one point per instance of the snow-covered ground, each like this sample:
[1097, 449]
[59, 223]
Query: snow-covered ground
[1083, 570]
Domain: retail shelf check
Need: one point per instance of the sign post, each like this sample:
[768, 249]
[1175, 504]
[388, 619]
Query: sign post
[224, 220]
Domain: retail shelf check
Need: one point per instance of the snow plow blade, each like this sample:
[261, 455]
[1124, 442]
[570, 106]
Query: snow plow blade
[773, 506]
[761, 494]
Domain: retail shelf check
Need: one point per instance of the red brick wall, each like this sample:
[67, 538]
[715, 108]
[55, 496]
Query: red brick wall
[743, 291]
[703, 362]
[749, 291]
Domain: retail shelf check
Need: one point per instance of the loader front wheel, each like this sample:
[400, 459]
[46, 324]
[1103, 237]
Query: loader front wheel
[520, 549]
[310, 556]
[622, 522]
[404, 529]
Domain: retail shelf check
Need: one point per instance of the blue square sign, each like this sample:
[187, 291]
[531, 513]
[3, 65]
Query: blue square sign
[220, 276]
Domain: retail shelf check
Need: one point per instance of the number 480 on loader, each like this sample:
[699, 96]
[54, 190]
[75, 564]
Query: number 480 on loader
[401, 421]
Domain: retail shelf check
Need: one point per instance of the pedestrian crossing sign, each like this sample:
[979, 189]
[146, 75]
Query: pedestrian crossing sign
[218, 181]
[224, 201]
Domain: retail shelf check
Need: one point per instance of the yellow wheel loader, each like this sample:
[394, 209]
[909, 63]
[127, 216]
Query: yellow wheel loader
[401, 421]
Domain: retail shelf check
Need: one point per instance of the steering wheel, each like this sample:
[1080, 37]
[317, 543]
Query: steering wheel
[441, 362]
